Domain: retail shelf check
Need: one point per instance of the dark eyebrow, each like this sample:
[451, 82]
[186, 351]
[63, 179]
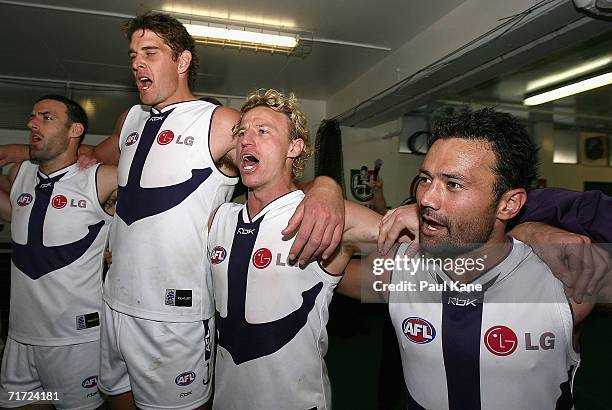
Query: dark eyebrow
[453, 176]
[42, 113]
[444, 174]
[145, 48]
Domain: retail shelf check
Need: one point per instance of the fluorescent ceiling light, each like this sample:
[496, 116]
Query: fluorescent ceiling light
[241, 36]
[571, 89]
[568, 74]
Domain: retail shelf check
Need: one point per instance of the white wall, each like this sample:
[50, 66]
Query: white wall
[568, 176]
[462, 25]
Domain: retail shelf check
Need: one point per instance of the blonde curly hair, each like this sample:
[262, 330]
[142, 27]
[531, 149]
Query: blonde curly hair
[278, 102]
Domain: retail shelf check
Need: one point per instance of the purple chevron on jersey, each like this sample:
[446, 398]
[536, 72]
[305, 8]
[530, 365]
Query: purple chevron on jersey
[48, 258]
[263, 338]
[135, 202]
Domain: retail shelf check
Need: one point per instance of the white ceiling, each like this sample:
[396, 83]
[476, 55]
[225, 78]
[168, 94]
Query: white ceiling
[73, 46]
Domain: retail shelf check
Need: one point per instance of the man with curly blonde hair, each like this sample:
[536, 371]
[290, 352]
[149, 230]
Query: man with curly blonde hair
[271, 313]
[297, 120]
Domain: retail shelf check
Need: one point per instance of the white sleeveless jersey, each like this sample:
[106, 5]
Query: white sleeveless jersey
[168, 185]
[59, 231]
[514, 351]
[271, 315]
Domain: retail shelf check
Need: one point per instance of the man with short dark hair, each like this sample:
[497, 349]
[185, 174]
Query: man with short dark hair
[475, 310]
[60, 217]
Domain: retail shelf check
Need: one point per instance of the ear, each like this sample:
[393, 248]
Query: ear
[184, 61]
[76, 130]
[511, 203]
[296, 147]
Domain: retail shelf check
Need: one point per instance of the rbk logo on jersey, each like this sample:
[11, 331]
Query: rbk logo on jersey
[458, 301]
[501, 340]
[185, 379]
[24, 199]
[418, 330]
[90, 382]
[245, 231]
[262, 258]
[218, 254]
[158, 118]
[131, 139]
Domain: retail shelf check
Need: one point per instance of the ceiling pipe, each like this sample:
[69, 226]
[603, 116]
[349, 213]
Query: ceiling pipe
[129, 16]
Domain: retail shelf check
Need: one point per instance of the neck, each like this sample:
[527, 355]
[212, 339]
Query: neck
[183, 93]
[484, 258]
[258, 198]
[55, 164]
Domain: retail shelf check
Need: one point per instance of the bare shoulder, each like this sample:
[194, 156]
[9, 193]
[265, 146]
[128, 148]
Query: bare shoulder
[12, 174]
[106, 184]
[221, 132]
[107, 174]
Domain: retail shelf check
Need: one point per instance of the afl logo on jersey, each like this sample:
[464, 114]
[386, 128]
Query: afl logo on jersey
[165, 137]
[24, 199]
[418, 330]
[262, 258]
[131, 139]
[218, 254]
[59, 201]
[185, 379]
[90, 382]
[501, 340]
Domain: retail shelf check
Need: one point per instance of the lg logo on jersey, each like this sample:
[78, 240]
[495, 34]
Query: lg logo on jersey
[166, 137]
[502, 341]
[60, 201]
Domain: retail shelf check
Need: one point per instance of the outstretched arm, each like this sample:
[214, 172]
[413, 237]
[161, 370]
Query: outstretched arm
[5, 206]
[572, 258]
[587, 213]
[12, 153]
[106, 152]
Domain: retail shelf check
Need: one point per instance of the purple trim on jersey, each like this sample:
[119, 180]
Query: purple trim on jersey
[248, 341]
[135, 202]
[461, 328]
[328, 272]
[587, 213]
[34, 258]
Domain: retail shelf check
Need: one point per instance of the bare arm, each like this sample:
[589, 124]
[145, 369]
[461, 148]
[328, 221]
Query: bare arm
[107, 152]
[572, 258]
[107, 187]
[5, 199]
[12, 153]
[5, 206]
[318, 220]
[222, 142]
[360, 235]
